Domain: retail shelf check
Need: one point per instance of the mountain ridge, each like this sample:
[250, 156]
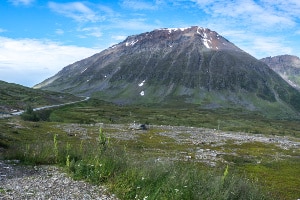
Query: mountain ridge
[287, 66]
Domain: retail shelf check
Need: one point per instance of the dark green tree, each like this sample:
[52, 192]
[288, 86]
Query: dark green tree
[29, 114]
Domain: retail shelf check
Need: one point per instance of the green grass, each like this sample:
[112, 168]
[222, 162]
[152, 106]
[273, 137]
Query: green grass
[182, 181]
[14, 96]
[274, 177]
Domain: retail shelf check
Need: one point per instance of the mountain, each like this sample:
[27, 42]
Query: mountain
[16, 97]
[287, 66]
[179, 66]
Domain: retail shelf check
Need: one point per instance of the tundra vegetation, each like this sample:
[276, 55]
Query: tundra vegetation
[14, 97]
[97, 142]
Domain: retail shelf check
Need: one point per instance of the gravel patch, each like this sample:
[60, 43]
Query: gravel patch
[45, 182]
[213, 137]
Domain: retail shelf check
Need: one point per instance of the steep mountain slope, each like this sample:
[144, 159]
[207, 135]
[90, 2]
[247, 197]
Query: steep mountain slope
[287, 66]
[175, 66]
[17, 97]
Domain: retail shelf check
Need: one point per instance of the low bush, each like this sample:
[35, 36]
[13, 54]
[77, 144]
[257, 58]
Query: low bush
[29, 115]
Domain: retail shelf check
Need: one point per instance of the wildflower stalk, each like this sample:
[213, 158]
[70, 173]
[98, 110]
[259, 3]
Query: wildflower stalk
[225, 174]
[68, 162]
[102, 140]
[55, 147]
[68, 148]
[27, 149]
[81, 147]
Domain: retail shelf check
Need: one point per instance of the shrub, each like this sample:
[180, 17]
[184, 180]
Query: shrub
[29, 115]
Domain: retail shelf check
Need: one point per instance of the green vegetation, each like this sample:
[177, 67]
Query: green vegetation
[14, 97]
[149, 164]
[95, 111]
[295, 79]
[30, 115]
[274, 174]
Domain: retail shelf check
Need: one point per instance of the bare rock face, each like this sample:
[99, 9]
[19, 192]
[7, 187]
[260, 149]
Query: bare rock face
[175, 66]
[287, 66]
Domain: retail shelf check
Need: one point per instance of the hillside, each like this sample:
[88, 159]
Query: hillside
[16, 97]
[179, 66]
[287, 66]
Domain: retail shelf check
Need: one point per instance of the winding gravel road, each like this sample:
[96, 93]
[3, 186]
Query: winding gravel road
[41, 108]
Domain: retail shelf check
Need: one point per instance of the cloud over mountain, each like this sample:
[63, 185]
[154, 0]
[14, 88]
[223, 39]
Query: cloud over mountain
[38, 59]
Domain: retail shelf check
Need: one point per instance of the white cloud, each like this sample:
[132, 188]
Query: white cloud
[21, 2]
[107, 10]
[75, 10]
[59, 31]
[258, 45]
[288, 7]
[29, 61]
[265, 13]
[137, 24]
[91, 31]
[141, 5]
[271, 46]
[119, 37]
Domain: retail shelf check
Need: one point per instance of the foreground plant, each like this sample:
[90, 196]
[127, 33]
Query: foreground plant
[55, 148]
[225, 174]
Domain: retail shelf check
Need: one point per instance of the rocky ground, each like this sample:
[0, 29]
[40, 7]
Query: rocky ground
[201, 143]
[44, 182]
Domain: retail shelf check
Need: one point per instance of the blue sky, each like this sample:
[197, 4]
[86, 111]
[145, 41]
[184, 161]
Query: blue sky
[39, 37]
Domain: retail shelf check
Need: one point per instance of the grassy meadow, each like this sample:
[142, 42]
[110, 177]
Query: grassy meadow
[97, 142]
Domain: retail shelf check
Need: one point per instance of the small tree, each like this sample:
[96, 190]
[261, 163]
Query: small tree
[29, 114]
[103, 140]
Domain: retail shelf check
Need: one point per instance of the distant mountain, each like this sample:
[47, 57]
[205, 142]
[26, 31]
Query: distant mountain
[179, 66]
[287, 66]
[16, 97]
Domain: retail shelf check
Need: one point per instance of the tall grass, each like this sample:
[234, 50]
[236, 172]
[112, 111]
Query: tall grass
[169, 180]
[100, 162]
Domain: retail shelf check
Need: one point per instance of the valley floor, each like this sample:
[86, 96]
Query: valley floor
[204, 145]
[270, 159]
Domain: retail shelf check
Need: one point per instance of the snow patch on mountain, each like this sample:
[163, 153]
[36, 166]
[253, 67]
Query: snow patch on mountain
[131, 43]
[83, 70]
[142, 83]
[174, 29]
[201, 31]
[206, 41]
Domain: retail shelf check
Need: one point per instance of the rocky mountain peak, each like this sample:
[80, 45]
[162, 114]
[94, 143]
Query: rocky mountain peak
[287, 66]
[171, 37]
[283, 61]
